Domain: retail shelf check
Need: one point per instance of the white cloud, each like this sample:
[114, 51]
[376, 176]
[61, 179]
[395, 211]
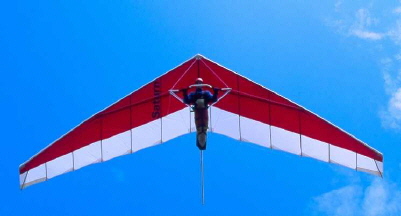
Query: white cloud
[391, 115]
[390, 83]
[395, 33]
[379, 198]
[394, 106]
[395, 101]
[381, 25]
[367, 34]
[398, 57]
[382, 198]
[338, 5]
[389, 121]
[363, 21]
[363, 18]
[360, 23]
[340, 202]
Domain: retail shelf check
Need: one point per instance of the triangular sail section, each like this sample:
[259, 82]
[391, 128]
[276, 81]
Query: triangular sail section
[150, 116]
[146, 117]
[255, 114]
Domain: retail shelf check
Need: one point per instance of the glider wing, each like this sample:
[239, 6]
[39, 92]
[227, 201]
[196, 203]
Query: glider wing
[151, 115]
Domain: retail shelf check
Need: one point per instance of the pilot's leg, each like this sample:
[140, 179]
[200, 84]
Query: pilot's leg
[201, 121]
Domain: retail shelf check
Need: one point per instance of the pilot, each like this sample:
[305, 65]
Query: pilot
[200, 99]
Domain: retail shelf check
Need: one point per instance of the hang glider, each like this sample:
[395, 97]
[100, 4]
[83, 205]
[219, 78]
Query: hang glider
[152, 115]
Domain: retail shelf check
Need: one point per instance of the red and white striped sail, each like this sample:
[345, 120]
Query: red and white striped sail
[150, 116]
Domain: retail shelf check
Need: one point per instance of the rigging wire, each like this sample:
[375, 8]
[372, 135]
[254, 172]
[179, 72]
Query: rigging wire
[183, 74]
[202, 177]
[215, 74]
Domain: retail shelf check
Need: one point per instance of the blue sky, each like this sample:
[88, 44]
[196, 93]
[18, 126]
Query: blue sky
[63, 61]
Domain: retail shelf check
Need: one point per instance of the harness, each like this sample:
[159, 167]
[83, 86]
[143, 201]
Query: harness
[200, 103]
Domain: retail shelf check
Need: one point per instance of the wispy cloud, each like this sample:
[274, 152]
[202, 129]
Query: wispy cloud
[379, 198]
[382, 198]
[339, 202]
[337, 5]
[391, 115]
[363, 20]
[395, 103]
[391, 118]
[395, 33]
[360, 23]
[396, 10]
[367, 34]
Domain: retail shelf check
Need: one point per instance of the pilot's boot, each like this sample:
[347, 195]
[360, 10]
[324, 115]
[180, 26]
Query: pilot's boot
[201, 137]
